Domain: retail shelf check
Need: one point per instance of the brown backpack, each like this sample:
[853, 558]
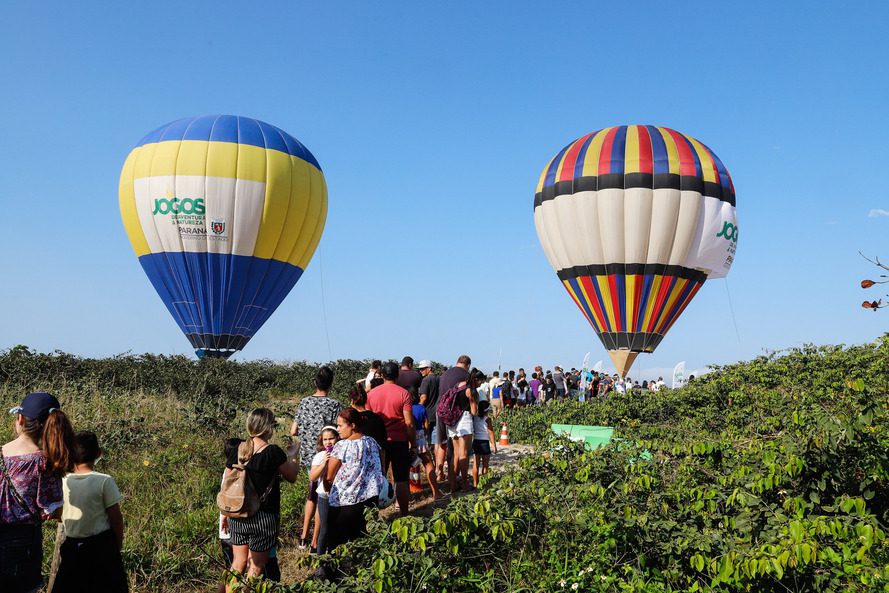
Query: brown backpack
[237, 497]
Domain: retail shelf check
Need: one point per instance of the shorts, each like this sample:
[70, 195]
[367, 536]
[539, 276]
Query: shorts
[398, 454]
[439, 433]
[272, 571]
[481, 447]
[421, 442]
[312, 495]
[259, 532]
[463, 427]
[497, 404]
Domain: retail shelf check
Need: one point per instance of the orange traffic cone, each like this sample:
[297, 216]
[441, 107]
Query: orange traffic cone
[504, 436]
[414, 477]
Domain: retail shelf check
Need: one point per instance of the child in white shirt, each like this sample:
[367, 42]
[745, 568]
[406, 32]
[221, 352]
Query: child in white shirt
[326, 440]
[90, 556]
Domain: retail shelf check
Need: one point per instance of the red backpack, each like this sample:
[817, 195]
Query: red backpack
[448, 409]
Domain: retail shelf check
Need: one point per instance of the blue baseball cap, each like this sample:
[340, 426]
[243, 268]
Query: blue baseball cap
[37, 405]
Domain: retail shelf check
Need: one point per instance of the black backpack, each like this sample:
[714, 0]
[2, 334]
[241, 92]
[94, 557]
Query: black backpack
[506, 390]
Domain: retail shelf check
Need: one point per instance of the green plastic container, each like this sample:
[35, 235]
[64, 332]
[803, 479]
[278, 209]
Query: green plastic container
[593, 437]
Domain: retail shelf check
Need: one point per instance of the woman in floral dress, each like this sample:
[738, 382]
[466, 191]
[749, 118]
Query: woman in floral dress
[354, 479]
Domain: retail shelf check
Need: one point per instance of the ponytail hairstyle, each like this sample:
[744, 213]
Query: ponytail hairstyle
[476, 378]
[261, 423]
[358, 395]
[55, 435]
[353, 417]
[245, 451]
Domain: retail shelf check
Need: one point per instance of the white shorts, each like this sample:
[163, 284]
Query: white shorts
[463, 428]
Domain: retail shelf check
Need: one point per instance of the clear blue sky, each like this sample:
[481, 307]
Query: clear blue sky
[432, 122]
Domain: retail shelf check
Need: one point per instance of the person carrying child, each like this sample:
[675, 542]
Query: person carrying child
[90, 555]
[506, 392]
[326, 440]
[482, 428]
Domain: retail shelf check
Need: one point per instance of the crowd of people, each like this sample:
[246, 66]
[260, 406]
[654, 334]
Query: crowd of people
[402, 418]
[515, 388]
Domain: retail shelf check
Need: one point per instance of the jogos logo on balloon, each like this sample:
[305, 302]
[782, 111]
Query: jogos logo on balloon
[729, 231]
[224, 213]
[187, 215]
[175, 206]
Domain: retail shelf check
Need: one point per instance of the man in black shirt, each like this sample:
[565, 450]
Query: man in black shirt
[450, 378]
[429, 399]
[408, 378]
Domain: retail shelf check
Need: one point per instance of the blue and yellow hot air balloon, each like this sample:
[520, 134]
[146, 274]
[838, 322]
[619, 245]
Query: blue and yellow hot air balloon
[634, 219]
[224, 213]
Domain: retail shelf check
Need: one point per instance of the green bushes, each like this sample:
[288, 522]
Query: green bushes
[770, 475]
[763, 476]
[161, 421]
[611, 521]
[213, 383]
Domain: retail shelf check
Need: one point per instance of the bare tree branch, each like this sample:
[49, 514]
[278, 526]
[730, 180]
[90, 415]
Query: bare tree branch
[875, 261]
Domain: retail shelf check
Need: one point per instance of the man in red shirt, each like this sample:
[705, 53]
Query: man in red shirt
[393, 404]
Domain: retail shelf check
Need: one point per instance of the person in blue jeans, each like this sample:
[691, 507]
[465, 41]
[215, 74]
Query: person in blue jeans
[326, 441]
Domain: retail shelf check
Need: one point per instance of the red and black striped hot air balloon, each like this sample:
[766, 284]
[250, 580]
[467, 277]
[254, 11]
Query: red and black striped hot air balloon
[634, 219]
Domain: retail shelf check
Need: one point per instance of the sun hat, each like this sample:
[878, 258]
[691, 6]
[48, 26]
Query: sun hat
[424, 364]
[37, 405]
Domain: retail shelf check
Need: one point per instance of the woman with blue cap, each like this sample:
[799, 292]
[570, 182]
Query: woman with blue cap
[31, 470]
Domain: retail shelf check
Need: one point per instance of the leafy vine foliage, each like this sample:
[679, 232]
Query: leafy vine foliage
[768, 475]
[210, 390]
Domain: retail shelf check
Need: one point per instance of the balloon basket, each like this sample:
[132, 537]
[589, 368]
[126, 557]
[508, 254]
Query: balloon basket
[207, 353]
